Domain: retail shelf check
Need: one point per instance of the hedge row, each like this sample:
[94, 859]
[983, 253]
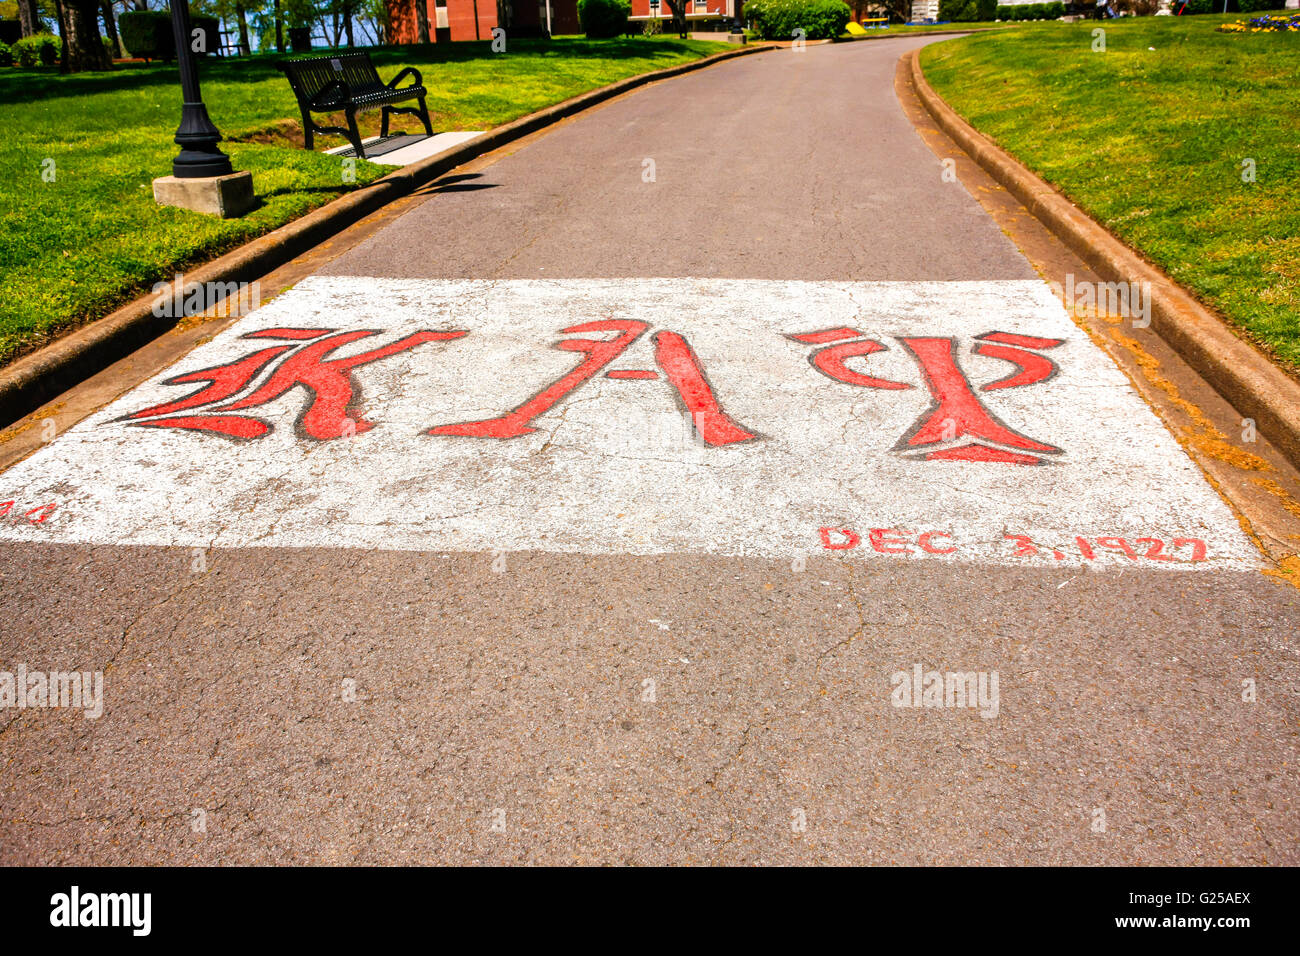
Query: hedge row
[1241, 6]
[966, 11]
[1032, 11]
[604, 18]
[779, 19]
[148, 34]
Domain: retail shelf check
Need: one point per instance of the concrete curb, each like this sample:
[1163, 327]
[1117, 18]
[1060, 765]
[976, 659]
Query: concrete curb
[1251, 382]
[36, 378]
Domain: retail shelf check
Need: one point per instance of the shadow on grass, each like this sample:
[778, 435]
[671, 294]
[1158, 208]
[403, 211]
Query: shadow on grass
[339, 190]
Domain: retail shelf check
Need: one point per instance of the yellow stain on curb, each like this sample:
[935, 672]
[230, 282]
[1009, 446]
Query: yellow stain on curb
[1203, 435]
[1273, 488]
[13, 431]
[1288, 570]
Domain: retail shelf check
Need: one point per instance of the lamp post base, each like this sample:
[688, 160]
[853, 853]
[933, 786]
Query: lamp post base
[227, 196]
[198, 138]
[195, 164]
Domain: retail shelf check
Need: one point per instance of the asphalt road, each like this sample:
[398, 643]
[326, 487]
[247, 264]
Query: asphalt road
[288, 682]
[777, 166]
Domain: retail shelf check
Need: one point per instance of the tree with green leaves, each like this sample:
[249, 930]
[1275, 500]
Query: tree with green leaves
[232, 11]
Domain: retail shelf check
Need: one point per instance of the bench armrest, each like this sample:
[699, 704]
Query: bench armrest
[408, 71]
[327, 89]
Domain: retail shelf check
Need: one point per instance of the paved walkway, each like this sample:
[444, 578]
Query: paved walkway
[624, 501]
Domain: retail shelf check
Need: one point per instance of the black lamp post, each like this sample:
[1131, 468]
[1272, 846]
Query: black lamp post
[197, 136]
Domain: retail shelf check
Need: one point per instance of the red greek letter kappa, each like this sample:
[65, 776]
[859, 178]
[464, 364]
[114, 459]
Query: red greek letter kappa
[334, 409]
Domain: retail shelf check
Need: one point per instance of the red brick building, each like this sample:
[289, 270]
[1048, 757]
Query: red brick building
[474, 19]
[700, 14]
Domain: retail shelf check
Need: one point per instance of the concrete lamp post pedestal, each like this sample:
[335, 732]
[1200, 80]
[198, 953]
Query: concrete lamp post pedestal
[202, 178]
[227, 196]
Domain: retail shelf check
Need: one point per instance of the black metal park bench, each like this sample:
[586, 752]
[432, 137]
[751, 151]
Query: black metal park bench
[350, 83]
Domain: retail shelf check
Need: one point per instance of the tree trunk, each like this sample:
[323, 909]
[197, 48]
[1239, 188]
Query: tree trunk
[678, 9]
[61, 16]
[28, 19]
[347, 23]
[279, 29]
[110, 26]
[241, 17]
[422, 20]
[82, 42]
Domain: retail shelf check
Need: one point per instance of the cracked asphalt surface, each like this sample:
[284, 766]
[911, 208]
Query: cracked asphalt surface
[322, 705]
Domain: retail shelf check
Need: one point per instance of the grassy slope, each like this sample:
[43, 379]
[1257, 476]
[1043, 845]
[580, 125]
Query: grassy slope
[1151, 143]
[73, 249]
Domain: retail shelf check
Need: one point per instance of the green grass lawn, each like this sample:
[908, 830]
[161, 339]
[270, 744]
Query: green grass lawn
[1151, 143]
[74, 249]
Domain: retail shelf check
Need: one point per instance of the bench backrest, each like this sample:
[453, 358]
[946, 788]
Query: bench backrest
[309, 75]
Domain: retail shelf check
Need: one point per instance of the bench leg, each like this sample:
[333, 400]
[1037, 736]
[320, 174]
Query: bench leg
[383, 122]
[307, 138]
[424, 117]
[354, 136]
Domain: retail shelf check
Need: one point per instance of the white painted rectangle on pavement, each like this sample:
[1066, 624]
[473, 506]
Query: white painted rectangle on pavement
[416, 148]
[953, 421]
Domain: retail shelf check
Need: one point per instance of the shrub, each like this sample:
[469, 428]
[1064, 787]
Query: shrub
[968, 11]
[143, 36]
[6, 54]
[148, 33]
[604, 18]
[1251, 6]
[43, 48]
[1200, 6]
[778, 19]
[1032, 11]
[957, 11]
